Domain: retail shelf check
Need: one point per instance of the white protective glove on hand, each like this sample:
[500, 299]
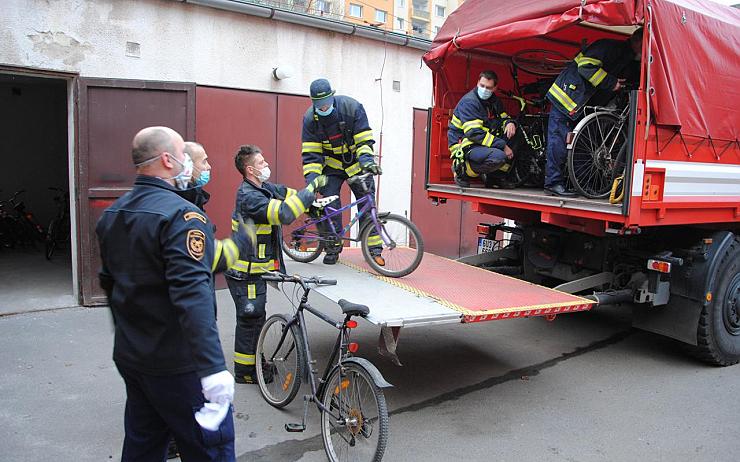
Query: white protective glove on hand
[218, 390]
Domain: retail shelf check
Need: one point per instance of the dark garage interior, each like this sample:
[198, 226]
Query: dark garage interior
[35, 270]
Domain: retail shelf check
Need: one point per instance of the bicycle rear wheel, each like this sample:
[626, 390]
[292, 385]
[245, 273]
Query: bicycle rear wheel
[400, 242]
[51, 239]
[301, 241]
[282, 362]
[358, 431]
[593, 161]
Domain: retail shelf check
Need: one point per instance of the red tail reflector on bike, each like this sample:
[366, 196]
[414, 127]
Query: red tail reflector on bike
[353, 347]
[351, 324]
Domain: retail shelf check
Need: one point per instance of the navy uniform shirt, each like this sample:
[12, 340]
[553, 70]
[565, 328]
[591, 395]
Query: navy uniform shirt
[157, 249]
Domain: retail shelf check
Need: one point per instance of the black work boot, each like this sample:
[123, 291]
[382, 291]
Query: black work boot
[559, 190]
[461, 179]
[331, 258]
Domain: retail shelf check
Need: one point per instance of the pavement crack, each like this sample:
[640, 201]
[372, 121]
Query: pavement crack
[295, 449]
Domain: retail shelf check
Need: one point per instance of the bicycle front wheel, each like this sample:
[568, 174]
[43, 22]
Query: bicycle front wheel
[281, 357]
[398, 243]
[301, 241]
[355, 424]
[593, 161]
[51, 239]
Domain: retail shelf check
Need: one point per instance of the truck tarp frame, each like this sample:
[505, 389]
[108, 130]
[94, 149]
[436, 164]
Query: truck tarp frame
[695, 48]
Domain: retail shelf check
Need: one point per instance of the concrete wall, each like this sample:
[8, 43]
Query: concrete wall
[183, 42]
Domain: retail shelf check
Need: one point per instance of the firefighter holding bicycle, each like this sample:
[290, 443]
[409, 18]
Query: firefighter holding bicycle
[596, 73]
[269, 206]
[337, 142]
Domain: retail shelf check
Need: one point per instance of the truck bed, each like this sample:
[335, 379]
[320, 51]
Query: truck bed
[529, 196]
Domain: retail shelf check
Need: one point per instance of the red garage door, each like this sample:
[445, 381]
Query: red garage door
[110, 114]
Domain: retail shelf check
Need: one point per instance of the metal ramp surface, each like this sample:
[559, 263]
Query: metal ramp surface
[439, 291]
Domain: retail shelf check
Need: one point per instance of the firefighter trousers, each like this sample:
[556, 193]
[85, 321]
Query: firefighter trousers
[250, 298]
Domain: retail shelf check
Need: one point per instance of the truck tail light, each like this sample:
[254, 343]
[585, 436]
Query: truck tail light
[659, 266]
[483, 229]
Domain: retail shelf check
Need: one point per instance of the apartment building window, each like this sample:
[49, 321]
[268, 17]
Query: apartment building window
[355, 10]
[400, 24]
[439, 10]
[402, 3]
[418, 28]
[323, 6]
[436, 29]
[380, 16]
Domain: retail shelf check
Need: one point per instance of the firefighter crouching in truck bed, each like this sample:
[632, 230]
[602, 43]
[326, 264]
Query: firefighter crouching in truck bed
[338, 142]
[158, 252]
[269, 205]
[597, 73]
[474, 135]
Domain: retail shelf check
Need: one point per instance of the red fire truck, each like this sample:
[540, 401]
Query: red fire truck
[663, 235]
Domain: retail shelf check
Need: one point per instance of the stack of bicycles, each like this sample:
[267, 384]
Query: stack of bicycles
[349, 394]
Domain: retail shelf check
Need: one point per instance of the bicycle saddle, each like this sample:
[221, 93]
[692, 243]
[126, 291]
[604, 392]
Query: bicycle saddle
[353, 309]
[324, 201]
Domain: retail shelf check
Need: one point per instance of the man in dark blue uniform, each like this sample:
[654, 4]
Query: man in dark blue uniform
[338, 142]
[600, 70]
[474, 133]
[268, 205]
[158, 253]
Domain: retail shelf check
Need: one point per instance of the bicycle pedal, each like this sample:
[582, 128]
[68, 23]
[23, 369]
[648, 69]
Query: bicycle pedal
[294, 427]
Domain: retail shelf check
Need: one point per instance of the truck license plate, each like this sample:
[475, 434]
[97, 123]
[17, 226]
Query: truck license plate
[486, 245]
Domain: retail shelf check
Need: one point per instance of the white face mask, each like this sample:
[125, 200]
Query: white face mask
[484, 93]
[183, 178]
[264, 174]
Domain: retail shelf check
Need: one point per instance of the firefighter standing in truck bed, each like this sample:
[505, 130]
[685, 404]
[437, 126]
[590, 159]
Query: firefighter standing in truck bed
[338, 142]
[472, 133]
[596, 73]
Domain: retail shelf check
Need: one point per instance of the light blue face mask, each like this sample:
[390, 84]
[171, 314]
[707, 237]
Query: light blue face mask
[484, 93]
[325, 113]
[204, 178]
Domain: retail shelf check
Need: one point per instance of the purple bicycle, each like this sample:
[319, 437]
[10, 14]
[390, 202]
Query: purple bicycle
[391, 244]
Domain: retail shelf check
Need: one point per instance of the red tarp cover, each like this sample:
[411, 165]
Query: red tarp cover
[695, 44]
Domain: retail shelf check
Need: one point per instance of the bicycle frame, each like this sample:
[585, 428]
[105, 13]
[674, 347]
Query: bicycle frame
[365, 204]
[317, 389]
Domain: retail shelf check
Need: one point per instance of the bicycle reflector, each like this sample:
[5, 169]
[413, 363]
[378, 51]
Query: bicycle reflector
[659, 266]
[351, 324]
[353, 347]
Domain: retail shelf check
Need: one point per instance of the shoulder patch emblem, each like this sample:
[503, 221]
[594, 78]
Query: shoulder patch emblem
[196, 243]
[194, 215]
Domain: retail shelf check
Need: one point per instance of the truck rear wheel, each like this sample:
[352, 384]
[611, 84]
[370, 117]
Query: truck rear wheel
[718, 334]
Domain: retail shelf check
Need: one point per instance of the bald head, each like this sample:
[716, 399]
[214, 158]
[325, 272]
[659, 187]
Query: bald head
[151, 142]
[196, 151]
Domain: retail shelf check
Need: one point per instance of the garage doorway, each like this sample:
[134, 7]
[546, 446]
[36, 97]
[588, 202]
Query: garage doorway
[35, 150]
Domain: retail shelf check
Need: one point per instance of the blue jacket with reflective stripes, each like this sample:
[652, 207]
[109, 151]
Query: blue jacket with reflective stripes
[338, 144]
[477, 121]
[593, 70]
[269, 206]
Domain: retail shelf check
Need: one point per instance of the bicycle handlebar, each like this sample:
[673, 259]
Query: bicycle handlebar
[298, 279]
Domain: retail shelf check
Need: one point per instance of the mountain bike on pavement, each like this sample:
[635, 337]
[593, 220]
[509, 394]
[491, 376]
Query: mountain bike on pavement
[349, 394]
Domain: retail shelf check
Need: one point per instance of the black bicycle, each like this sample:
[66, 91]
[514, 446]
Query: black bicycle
[57, 233]
[349, 395]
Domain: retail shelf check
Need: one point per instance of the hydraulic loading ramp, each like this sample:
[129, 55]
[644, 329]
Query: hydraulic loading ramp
[440, 291]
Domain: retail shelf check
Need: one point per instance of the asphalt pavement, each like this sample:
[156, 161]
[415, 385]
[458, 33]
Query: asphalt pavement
[586, 387]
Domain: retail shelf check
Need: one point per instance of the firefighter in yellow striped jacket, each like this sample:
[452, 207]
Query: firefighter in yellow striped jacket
[338, 142]
[600, 70]
[478, 133]
[268, 205]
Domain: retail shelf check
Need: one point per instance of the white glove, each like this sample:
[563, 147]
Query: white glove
[218, 389]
